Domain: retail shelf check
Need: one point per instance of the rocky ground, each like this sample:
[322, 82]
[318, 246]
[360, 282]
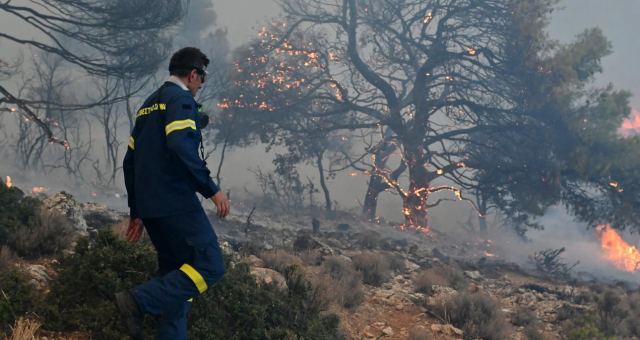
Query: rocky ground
[398, 308]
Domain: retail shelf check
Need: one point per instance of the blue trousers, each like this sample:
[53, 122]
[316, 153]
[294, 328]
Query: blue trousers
[189, 261]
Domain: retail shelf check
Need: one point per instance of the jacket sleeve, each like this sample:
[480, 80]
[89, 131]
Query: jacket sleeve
[129, 177]
[183, 139]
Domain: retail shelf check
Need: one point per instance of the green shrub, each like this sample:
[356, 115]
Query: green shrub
[239, 308]
[374, 268]
[46, 233]
[235, 308]
[478, 315]
[17, 297]
[81, 298]
[16, 210]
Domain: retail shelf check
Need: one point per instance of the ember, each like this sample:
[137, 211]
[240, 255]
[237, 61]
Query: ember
[617, 250]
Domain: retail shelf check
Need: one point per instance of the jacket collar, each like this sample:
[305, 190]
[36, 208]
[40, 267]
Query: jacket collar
[177, 81]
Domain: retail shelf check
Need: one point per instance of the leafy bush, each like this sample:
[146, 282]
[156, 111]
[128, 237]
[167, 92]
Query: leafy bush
[29, 229]
[476, 314]
[17, 297]
[374, 268]
[46, 233]
[16, 210]
[239, 308]
[235, 308]
[81, 297]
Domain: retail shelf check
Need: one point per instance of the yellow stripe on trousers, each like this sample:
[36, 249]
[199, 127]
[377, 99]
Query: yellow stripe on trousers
[197, 279]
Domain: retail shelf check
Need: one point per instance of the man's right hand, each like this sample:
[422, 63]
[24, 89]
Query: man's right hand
[222, 204]
[135, 230]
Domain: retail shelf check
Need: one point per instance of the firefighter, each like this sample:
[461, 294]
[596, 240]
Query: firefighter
[163, 172]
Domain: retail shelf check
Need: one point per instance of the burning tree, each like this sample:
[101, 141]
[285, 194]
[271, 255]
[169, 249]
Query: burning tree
[470, 92]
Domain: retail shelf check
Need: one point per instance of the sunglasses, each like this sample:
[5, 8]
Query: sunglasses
[202, 73]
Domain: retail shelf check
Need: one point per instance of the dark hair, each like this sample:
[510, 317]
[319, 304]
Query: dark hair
[187, 59]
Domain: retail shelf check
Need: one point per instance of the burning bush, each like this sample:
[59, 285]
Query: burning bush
[478, 315]
[374, 268]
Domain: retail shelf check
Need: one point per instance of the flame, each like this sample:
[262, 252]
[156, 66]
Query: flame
[489, 254]
[38, 190]
[9, 182]
[617, 250]
[631, 125]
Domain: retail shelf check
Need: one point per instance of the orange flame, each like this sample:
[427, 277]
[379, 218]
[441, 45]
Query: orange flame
[9, 182]
[631, 125]
[617, 250]
[489, 254]
[38, 190]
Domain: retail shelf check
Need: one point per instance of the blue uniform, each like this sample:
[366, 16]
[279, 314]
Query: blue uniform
[163, 172]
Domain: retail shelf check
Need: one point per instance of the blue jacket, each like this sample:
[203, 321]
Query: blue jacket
[162, 168]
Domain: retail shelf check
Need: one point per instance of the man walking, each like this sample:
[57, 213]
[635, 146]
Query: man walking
[163, 172]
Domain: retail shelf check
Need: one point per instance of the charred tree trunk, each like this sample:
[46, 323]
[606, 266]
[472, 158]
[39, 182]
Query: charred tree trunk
[415, 202]
[323, 183]
[377, 184]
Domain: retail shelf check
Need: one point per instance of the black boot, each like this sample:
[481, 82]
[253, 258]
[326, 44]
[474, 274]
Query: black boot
[130, 313]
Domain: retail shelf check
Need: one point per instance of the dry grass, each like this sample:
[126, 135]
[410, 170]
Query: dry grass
[25, 329]
[279, 259]
[375, 267]
[478, 315]
[340, 282]
[424, 281]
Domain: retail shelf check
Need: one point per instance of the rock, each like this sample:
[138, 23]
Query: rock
[343, 227]
[99, 216]
[388, 331]
[474, 275]
[254, 261]
[410, 266]
[446, 329]
[269, 276]
[64, 203]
